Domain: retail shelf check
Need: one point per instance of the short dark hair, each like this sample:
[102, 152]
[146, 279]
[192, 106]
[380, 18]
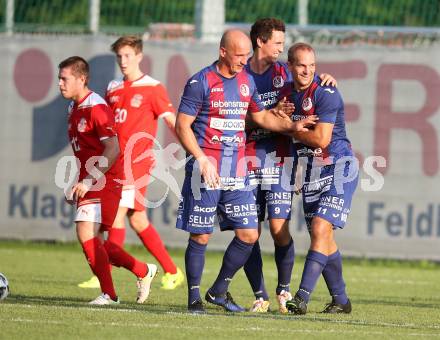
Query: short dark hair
[263, 28]
[297, 47]
[127, 40]
[79, 66]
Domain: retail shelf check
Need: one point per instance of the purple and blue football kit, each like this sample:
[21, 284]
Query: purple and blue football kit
[270, 155]
[331, 174]
[220, 106]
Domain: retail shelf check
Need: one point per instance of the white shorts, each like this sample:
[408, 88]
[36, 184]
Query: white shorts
[89, 212]
[127, 197]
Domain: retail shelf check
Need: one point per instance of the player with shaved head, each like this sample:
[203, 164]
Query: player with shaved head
[210, 125]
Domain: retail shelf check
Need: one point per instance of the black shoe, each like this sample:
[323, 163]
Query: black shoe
[337, 308]
[226, 301]
[196, 307]
[297, 305]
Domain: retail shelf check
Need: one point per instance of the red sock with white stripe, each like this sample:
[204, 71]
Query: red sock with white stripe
[98, 260]
[152, 241]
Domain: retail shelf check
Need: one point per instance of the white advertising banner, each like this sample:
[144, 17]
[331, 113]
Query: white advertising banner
[392, 101]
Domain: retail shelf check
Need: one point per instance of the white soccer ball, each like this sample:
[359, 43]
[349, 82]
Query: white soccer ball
[4, 287]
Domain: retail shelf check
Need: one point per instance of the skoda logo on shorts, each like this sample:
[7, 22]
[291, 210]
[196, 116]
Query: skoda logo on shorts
[204, 209]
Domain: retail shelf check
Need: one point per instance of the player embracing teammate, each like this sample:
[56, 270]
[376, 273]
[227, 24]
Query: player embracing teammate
[230, 175]
[211, 127]
[331, 177]
[271, 163]
[326, 201]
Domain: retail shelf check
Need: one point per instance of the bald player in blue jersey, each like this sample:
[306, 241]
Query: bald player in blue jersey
[271, 163]
[210, 125]
[331, 177]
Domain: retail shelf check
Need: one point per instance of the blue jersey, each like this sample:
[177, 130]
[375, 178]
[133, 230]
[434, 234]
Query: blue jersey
[220, 106]
[261, 142]
[326, 194]
[325, 102]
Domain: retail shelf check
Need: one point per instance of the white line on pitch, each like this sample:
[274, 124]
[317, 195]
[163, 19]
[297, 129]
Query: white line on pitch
[219, 328]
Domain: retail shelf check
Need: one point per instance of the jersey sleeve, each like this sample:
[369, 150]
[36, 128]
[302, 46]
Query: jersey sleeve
[255, 104]
[103, 121]
[161, 102]
[328, 102]
[192, 98]
[108, 91]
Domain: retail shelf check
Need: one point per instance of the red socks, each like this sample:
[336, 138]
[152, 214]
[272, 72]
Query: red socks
[120, 258]
[98, 260]
[152, 241]
[116, 236]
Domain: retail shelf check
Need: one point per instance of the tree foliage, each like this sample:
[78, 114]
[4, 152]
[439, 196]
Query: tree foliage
[140, 13]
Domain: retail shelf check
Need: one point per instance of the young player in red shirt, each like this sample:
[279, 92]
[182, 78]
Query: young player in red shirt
[138, 101]
[97, 194]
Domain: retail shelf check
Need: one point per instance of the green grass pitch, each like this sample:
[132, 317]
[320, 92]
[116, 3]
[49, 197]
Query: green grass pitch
[391, 300]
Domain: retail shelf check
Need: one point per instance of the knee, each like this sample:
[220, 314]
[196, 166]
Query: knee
[138, 221]
[85, 231]
[280, 233]
[200, 238]
[247, 235]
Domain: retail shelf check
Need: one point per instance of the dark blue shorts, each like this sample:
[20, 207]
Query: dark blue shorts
[273, 189]
[329, 195]
[234, 207]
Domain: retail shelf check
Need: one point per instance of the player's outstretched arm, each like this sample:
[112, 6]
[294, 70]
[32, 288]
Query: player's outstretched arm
[188, 140]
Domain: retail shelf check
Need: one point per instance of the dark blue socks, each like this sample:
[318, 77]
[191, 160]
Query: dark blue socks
[333, 278]
[284, 259]
[194, 263]
[254, 272]
[235, 257]
[315, 263]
